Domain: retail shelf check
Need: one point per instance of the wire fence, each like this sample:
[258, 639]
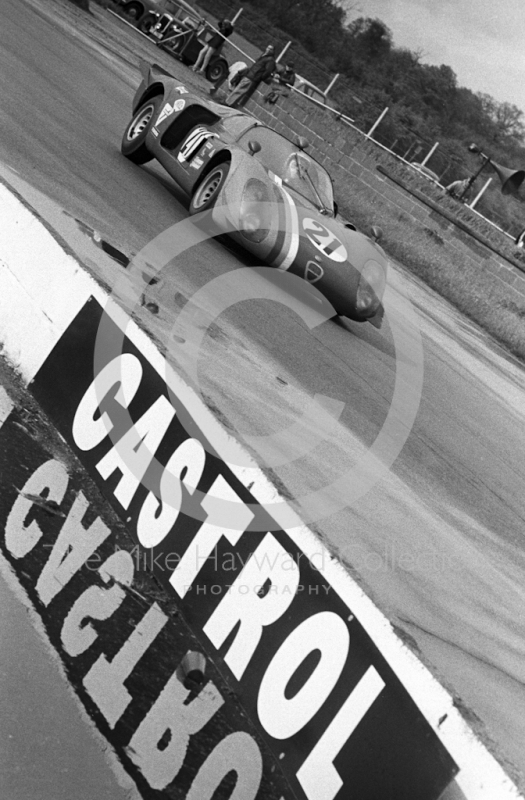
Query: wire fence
[411, 147]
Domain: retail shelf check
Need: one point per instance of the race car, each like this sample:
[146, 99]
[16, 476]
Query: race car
[260, 187]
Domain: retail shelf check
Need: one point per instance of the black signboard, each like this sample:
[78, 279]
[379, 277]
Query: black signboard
[318, 709]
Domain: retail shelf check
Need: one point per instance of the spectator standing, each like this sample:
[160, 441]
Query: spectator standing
[260, 70]
[519, 241]
[239, 66]
[284, 78]
[457, 188]
[213, 46]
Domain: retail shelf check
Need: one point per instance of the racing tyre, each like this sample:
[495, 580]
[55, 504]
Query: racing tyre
[205, 194]
[217, 71]
[133, 144]
[147, 23]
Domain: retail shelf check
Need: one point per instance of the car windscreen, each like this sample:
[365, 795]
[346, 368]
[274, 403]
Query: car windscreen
[295, 167]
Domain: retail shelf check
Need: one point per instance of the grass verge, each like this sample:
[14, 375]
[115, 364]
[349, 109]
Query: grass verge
[476, 292]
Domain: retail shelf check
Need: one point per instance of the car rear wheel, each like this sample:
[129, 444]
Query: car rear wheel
[133, 144]
[217, 71]
[206, 193]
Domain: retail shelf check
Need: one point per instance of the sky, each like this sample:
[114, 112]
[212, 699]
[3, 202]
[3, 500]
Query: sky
[483, 41]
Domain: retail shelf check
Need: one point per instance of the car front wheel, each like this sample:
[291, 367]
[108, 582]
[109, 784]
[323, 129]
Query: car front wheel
[133, 144]
[207, 191]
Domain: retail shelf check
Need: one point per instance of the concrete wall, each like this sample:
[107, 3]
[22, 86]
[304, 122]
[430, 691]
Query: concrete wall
[352, 158]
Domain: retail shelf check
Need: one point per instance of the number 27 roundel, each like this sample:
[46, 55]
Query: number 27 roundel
[324, 240]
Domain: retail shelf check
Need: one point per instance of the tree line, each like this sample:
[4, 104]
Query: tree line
[427, 96]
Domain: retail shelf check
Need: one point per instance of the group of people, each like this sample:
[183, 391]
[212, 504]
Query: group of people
[245, 81]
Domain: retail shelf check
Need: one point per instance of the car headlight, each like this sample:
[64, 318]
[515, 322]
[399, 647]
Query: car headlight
[255, 211]
[371, 286]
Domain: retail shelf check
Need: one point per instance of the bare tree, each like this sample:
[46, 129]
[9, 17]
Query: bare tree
[350, 7]
[506, 118]
[509, 119]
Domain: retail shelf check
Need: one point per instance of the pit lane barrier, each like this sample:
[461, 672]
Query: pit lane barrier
[49, 308]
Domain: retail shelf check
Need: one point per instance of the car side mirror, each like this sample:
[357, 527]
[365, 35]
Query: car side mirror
[253, 147]
[302, 143]
[376, 232]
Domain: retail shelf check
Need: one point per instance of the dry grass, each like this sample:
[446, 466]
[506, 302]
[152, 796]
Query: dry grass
[474, 291]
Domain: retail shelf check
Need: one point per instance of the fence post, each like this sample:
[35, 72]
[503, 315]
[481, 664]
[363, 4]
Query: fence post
[480, 193]
[330, 85]
[376, 123]
[430, 153]
[283, 51]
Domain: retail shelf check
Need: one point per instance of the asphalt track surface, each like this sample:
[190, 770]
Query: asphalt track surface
[438, 541]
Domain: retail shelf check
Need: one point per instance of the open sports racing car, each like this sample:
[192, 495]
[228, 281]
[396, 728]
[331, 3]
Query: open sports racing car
[261, 188]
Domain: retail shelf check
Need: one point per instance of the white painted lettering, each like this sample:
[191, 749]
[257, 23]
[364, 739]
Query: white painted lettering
[50, 479]
[74, 545]
[125, 371]
[105, 679]
[170, 718]
[283, 717]
[157, 519]
[207, 538]
[318, 776]
[237, 752]
[135, 451]
[250, 609]
[97, 603]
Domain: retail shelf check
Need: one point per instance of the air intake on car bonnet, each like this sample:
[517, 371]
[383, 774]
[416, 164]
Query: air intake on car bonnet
[184, 123]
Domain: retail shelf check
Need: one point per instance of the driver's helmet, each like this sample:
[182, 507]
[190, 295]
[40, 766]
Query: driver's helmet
[291, 171]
